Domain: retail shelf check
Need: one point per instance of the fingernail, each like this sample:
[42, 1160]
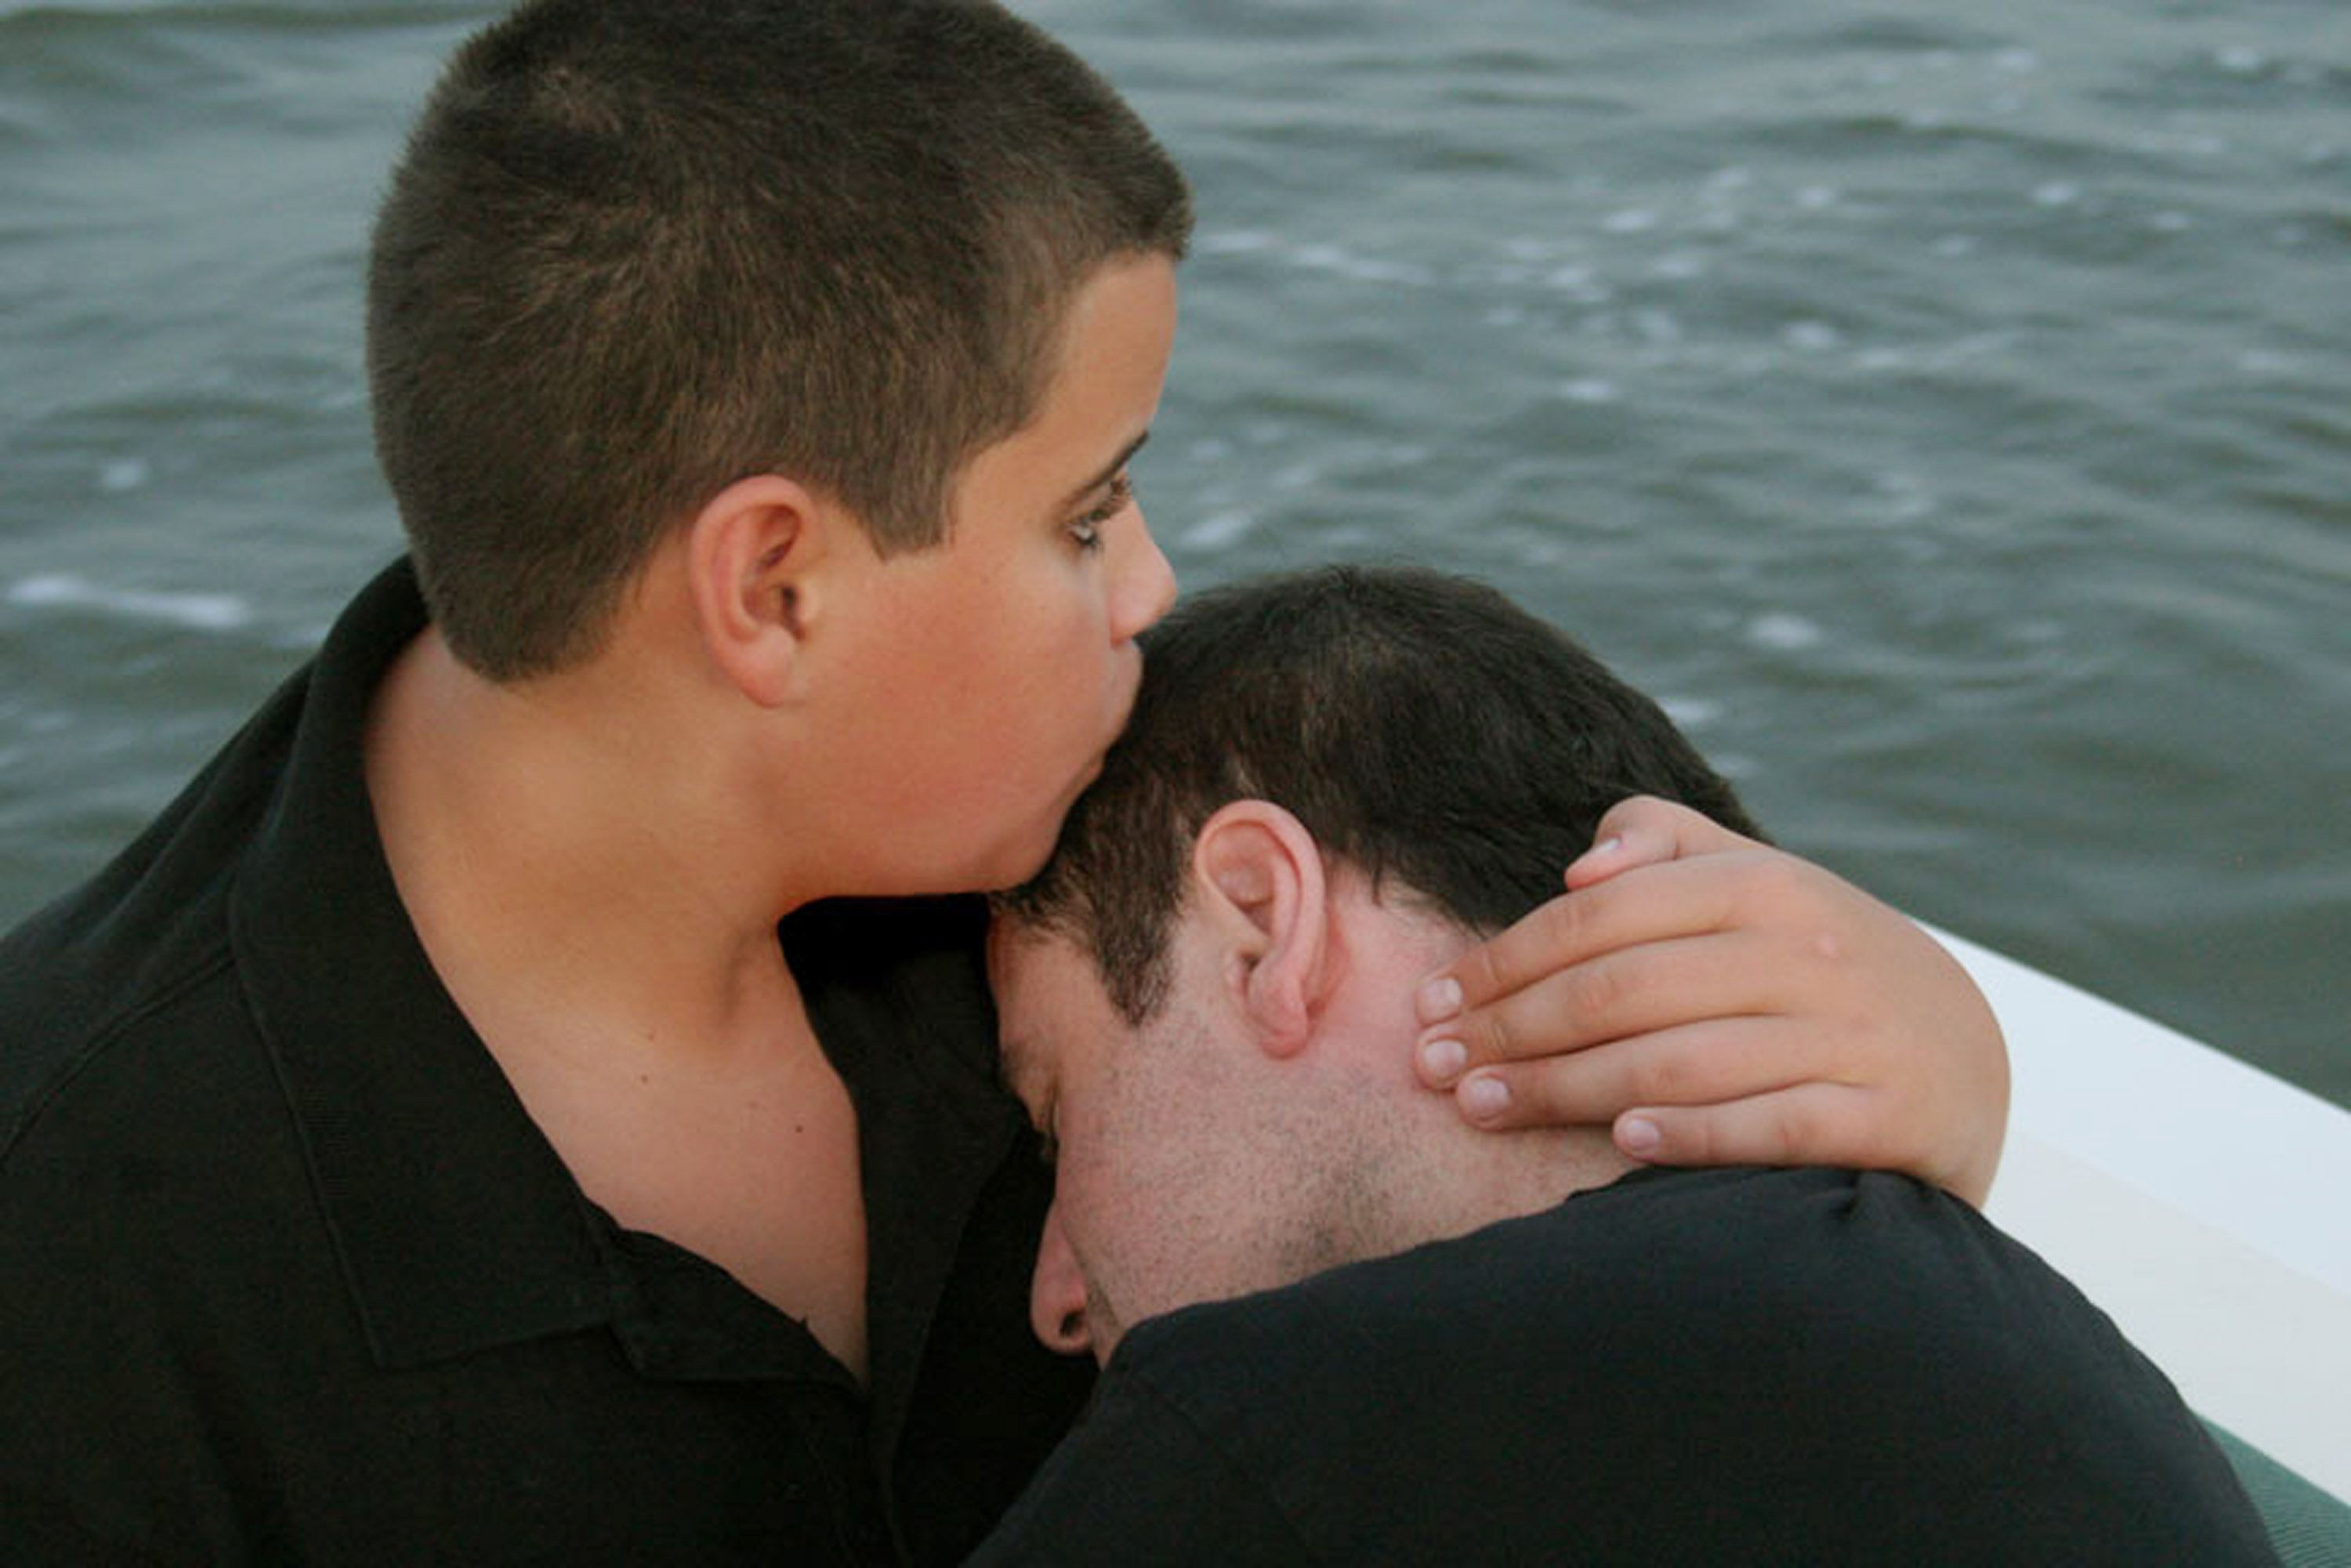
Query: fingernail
[1605, 847]
[1638, 1136]
[1484, 1097]
[1440, 998]
[1441, 1061]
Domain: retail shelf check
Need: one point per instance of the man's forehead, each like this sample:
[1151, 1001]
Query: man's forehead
[1041, 978]
[1010, 944]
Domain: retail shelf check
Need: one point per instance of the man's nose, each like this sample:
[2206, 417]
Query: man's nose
[1057, 1293]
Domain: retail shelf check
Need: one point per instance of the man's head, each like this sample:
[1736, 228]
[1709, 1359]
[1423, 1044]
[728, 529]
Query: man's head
[1424, 730]
[1330, 785]
[639, 250]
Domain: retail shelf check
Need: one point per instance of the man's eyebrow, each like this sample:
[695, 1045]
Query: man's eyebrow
[1108, 472]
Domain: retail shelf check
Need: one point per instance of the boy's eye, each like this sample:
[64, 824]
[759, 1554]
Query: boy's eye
[1087, 528]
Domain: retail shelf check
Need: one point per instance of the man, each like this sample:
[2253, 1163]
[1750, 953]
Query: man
[419, 1142]
[1330, 784]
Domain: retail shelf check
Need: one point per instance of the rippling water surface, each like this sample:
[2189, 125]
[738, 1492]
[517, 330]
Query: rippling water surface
[1946, 412]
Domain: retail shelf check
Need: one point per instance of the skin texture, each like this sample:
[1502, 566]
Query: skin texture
[975, 687]
[1261, 1124]
[1165, 1188]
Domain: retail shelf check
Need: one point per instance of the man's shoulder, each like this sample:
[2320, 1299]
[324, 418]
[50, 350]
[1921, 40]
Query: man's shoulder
[1824, 1366]
[1720, 1289]
[1140, 1481]
[1610, 1260]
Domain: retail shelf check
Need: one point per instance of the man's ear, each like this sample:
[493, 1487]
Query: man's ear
[1258, 875]
[751, 560]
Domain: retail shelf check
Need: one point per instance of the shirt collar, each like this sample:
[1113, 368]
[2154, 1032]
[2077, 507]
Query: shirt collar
[456, 1225]
[898, 992]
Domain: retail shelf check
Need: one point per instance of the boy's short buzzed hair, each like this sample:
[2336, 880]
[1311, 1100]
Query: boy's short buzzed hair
[638, 249]
[1423, 728]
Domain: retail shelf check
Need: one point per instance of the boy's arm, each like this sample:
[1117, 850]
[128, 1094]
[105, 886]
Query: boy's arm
[1722, 1002]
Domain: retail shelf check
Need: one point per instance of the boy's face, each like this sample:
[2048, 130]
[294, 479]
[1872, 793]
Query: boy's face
[992, 673]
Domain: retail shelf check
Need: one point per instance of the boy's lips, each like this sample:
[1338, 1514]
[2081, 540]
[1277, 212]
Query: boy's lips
[1134, 689]
[1121, 714]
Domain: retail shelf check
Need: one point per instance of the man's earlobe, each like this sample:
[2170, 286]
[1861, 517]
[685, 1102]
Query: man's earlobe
[1261, 878]
[751, 554]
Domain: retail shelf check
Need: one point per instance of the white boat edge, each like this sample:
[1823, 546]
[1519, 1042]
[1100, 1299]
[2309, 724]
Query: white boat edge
[2204, 1205]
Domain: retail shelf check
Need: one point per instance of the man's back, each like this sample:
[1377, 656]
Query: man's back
[1805, 1366]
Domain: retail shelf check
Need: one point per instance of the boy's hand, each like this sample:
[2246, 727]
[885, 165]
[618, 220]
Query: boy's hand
[1724, 1003]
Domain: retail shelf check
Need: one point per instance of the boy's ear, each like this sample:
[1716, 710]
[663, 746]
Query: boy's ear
[751, 555]
[1258, 875]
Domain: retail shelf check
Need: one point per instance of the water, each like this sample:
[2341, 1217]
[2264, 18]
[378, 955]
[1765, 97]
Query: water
[1946, 416]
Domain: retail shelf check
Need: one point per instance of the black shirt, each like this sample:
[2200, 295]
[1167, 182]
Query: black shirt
[287, 1273]
[1799, 1368]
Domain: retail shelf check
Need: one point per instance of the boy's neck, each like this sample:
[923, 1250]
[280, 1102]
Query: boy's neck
[561, 840]
[608, 930]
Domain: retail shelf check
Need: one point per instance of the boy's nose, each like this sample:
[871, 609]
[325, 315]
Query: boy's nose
[1057, 1293]
[1146, 584]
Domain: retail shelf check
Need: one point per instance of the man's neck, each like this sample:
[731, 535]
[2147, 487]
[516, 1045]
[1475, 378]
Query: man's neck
[1470, 1178]
[1450, 1178]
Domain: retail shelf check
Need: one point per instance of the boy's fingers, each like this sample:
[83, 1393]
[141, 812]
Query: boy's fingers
[1630, 992]
[1562, 1014]
[1823, 1124]
[1665, 901]
[1645, 831]
[1689, 1065]
[1557, 931]
[1641, 831]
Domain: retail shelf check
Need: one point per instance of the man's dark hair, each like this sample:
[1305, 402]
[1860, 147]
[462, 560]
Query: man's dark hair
[638, 249]
[1423, 728]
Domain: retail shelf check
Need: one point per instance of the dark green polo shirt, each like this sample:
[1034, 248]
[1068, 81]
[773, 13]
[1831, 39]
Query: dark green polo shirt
[287, 1272]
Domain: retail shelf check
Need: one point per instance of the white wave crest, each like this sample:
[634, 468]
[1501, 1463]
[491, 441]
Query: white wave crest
[194, 612]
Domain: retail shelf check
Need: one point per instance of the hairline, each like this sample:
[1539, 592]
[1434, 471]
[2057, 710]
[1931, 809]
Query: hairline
[1071, 922]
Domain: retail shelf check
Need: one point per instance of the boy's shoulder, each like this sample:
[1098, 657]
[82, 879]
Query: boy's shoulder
[90, 984]
[130, 1067]
[140, 951]
[263, 866]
